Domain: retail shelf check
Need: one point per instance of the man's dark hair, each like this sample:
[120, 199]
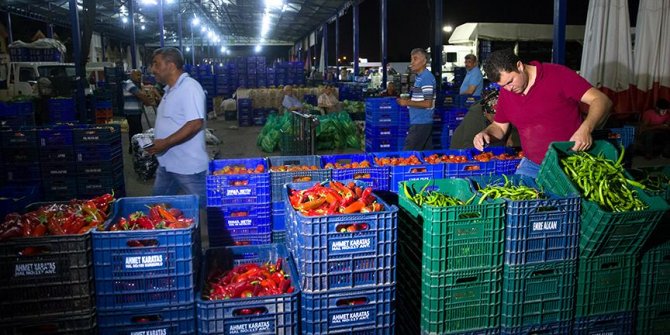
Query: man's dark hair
[662, 104]
[171, 55]
[498, 61]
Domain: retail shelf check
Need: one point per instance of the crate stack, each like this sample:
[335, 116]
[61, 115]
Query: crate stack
[461, 261]
[208, 83]
[358, 167]
[114, 77]
[99, 160]
[20, 152]
[61, 109]
[277, 314]
[239, 202]
[224, 87]
[540, 261]
[457, 163]
[347, 278]
[439, 120]
[145, 279]
[58, 162]
[400, 172]
[290, 169]
[654, 297]
[103, 112]
[17, 113]
[386, 125]
[245, 115]
[609, 247]
[50, 290]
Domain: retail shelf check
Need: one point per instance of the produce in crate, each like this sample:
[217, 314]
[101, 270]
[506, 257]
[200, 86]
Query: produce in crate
[246, 281]
[433, 198]
[235, 169]
[71, 218]
[397, 161]
[603, 181]
[352, 165]
[336, 198]
[509, 191]
[159, 217]
[488, 156]
[444, 158]
[293, 168]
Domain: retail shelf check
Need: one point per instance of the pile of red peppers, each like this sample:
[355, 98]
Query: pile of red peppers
[336, 198]
[248, 280]
[159, 217]
[72, 218]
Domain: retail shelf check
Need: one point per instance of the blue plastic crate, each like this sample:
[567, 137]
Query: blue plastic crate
[624, 136]
[19, 155]
[28, 172]
[280, 312]
[100, 184]
[374, 176]
[399, 174]
[59, 189]
[55, 136]
[240, 239]
[328, 258]
[230, 220]
[244, 103]
[279, 178]
[71, 324]
[158, 274]
[454, 116]
[109, 167]
[465, 169]
[58, 170]
[238, 188]
[16, 198]
[363, 311]
[537, 231]
[100, 135]
[383, 144]
[169, 319]
[377, 131]
[551, 328]
[501, 166]
[465, 101]
[24, 137]
[278, 215]
[61, 109]
[96, 153]
[615, 324]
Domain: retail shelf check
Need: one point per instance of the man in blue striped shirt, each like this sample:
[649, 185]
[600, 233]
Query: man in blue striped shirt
[421, 103]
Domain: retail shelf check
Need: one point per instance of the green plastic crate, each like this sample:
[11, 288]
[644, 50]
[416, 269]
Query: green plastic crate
[653, 320]
[655, 276]
[606, 284]
[602, 232]
[538, 294]
[458, 237]
[460, 301]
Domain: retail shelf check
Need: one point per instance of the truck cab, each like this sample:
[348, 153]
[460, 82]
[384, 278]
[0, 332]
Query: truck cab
[20, 78]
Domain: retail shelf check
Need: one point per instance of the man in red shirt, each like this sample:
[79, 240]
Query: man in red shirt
[542, 101]
[655, 130]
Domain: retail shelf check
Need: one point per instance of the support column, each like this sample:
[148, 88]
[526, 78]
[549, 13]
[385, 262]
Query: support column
[337, 46]
[133, 42]
[356, 37]
[9, 27]
[325, 51]
[436, 49]
[80, 99]
[384, 35]
[558, 50]
[161, 24]
[179, 31]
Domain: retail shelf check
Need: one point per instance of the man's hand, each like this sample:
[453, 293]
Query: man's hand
[402, 102]
[481, 139]
[582, 138]
[159, 146]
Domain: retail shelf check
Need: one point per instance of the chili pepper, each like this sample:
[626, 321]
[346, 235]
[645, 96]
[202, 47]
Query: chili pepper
[354, 207]
[313, 204]
[145, 223]
[154, 214]
[11, 232]
[38, 230]
[54, 226]
[279, 263]
[165, 214]
[284, 285]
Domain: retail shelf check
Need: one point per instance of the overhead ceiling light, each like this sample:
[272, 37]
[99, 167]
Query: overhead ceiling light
[124, 19]
[195, 22]
[203, 29]
[188, 49]
[257, 49]
[143, 27]
[149, 2]
[274, 3]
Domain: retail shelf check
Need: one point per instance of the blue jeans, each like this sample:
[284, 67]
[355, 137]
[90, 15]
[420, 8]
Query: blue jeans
[528, 168]
[169, 183]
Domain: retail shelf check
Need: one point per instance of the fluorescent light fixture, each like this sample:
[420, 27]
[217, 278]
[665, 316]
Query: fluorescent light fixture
[447, 29]
[143, 27]
[195, 22]
[228, 52]
[274, 3]
[203, 29]
[149, 2]
[124, 19]
[257, 49]
[188, 49]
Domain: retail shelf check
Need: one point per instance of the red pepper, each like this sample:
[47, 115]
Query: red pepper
[355, 207]
[54, 226]
[284, 285]
[11, 232]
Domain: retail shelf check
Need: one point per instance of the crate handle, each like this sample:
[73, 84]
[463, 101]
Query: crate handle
[352, 301]
[238, 182]
[141, 319]
[604, 323]
[545, 272]
[547, 209]
[609, 265]
[237, 213]
[361, 175]
[152, 242]
[352, 227]
[466, 280]
[470, 215]
[302, 179]
[250, 310]
[33, 250]
[418, 170]
[471, 167]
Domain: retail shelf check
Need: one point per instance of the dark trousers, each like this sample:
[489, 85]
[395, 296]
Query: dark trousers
[419, 137]
[134, 125]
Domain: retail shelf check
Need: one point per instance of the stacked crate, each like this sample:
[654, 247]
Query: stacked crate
[402, 172]
[58, 162]
[347, 278]
[609, 246]
[461, 260]
[238, 203]
[103, 112]
[17, 113]
[654, 297]
[99, 160]
[245, 116]
[61, 109]
[145, 279]
[50, 290]
[457, 163]
[357, 167]
[20, 153]
[386, 125]
[439, 120]
[208, 83]
[540, 261]
[283, 170]
[277, 314]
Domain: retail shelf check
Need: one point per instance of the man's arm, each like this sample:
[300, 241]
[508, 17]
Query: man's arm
[416, 104]
[599, 109]
[188, 130]
[471, 89]
[495, 131]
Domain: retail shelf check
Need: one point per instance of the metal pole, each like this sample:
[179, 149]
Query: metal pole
[325, 51]
[50, 27]
[192, 47]
[356, 39]
[131, 14]
[384, 35]
[337, 46]
[179, 30]
[558, 52]
[9, 27]
[79, 66]
[436, 64]
[102, 44]
[161, 26]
